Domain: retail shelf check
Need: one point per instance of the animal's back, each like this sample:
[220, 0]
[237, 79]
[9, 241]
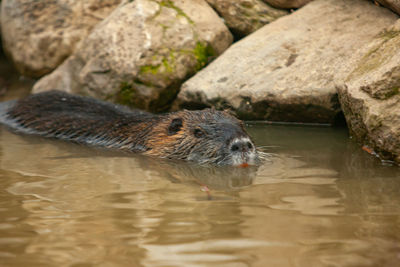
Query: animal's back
[70, 117]
[206, 136]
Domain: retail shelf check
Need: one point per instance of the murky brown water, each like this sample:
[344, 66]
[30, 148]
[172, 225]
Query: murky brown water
[319, 201]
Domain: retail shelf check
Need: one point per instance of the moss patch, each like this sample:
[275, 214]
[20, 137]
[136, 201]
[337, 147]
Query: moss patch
[203, 53]
[165, 68]
[170, 4]
[126, 94]
[153, 69]
[169, 62]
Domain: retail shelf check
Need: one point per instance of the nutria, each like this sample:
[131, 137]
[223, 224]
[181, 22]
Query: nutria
[206, 136]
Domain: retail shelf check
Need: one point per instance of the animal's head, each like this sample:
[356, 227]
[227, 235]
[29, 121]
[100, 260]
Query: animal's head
[206, 136]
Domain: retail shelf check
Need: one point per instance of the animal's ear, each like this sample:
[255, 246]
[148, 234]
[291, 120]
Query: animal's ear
[175, 126]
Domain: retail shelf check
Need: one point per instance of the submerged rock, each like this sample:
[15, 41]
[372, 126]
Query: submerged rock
[245, 16]
[288, 70]
[287, 3]
[392, 4]
[370, 97]
[39, 35]
[142, 52]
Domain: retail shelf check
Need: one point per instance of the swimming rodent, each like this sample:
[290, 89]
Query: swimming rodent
[205, 136]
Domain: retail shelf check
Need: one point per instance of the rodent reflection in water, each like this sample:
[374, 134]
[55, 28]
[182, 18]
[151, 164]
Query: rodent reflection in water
[72, 164]
[225, 178]
[206, 136]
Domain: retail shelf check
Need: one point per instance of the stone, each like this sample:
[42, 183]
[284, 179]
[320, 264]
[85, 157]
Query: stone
[392, 4]
[287, 3]
[142, 52]
[288, 70]
[370, 96]
[245, 16]
[39, 35]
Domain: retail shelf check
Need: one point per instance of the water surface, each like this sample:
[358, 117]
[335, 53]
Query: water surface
[318, 201]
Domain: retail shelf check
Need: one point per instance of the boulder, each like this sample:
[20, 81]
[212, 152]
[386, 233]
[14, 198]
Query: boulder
[288, 70]
[40, 35]
[245, 16]
[142, 52]
[287, 3]
[370, 96]
[392, 4]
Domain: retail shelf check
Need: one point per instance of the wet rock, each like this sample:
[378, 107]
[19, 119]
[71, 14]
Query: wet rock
[287, 3]
[287, 70]
[245, 16]
[370, 97]
[39, 35]
[142, 52]
[392, 4]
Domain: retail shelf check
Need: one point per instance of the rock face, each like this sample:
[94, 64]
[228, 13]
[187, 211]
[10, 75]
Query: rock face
[392, 4]
[287, 3]
[142, 52]
[39, 35]
[370, 97]
[287, 70]
[245, 16]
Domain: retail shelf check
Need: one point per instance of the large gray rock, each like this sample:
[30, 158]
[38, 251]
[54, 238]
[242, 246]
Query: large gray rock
[287, 3]
[39, 35]
[370, 97]
[392, 4]
[245, 16]
[142, 52]
[287, 70]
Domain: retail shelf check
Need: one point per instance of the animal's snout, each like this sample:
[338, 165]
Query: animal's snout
[242, 145]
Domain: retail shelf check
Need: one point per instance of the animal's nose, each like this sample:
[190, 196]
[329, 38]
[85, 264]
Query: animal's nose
[241, 146]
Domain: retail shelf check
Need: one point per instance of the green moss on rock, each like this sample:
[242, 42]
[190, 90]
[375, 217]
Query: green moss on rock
[153, 69]
[165, 68]
[170, 4]
[126, 94]
[203, 53]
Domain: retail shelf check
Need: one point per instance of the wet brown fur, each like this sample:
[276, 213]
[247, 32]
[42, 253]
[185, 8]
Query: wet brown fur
[85, 120]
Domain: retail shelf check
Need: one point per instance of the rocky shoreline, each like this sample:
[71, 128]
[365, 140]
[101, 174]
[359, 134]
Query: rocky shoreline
[276, 60]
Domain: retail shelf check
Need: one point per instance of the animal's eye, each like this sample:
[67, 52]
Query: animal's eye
[175, 126]
[198, 133]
